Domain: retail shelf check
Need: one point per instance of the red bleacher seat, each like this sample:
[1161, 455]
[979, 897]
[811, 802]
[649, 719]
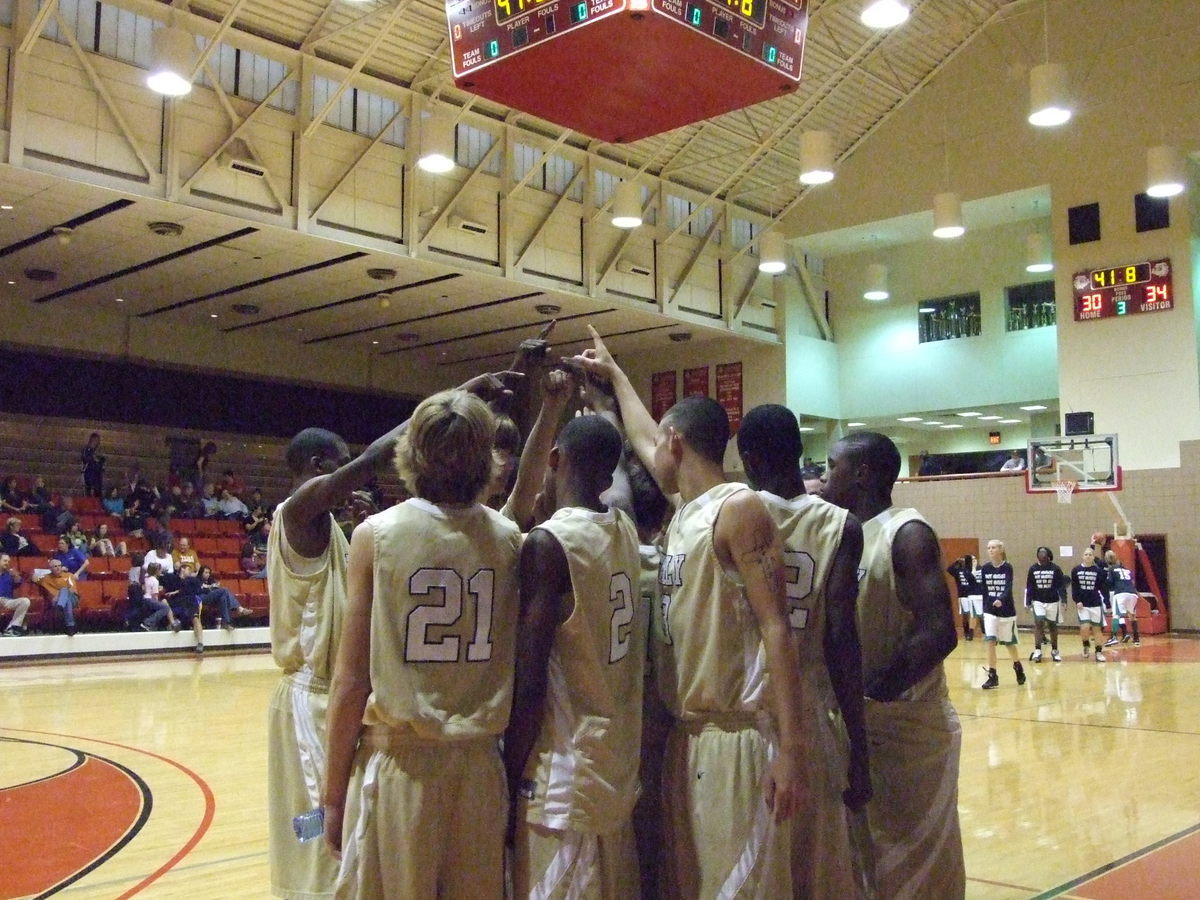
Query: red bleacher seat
[226, 567]
[88, 505]
[229, 546]
[91, 598]
[26, 564]
[183, 526]
[206, 546]
[98, 565]
[252, 592]
[30, 521]
[47, 543]
[89, 521]
[229, 526]
[119, 565]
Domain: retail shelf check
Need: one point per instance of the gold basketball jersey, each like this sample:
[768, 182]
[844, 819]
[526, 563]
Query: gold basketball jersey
[582, 774]
[708, 654]
[883, 623]
[443, 621]
[811, 532]
[306, 608]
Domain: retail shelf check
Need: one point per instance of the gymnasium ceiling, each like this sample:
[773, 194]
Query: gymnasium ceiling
[310, 290]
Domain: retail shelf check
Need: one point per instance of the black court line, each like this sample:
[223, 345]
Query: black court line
[1117, 863]
[191, 867]
[98, 212]
[357, 298]
[491, 331]
[1017, 718]
[258, 282]
[425, 318]
[79, 758]
[130, 834]
[148, 264]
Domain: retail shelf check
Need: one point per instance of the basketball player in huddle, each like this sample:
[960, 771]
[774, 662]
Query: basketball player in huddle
[907, 629]
[822, 544]
[999, 612]
[1045, 590]
[733, 772]
[1087, 590]
[415, 799]
[577, 704]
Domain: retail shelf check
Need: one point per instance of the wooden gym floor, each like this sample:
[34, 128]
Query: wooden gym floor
[147, 777]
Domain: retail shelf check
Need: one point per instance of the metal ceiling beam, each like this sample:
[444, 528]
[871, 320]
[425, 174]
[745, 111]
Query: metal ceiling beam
[226, 24]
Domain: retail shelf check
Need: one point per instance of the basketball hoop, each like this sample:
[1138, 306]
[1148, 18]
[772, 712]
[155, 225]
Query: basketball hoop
[1065, 489]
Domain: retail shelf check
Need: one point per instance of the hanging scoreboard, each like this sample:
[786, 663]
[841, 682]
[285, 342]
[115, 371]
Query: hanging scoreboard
[1123, 290]
[621, 70]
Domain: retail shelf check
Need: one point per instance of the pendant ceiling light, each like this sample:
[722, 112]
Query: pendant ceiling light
[437, 142]
[174, 54]
[884, 14]
[1037, 253]
[816, 157]
[772, 252]
[627, 205]
[877, 282]
[947, 216]
[1164, 166]
[1048, 96]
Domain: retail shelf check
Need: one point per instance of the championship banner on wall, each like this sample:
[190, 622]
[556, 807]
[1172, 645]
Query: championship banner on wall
[662, 393]
[729, 393]
[695, 382]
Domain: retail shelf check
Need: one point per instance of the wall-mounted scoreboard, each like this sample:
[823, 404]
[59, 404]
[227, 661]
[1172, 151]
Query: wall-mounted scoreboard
[1123, 290]
[622, 70]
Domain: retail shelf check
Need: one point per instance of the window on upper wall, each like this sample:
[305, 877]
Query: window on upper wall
[946, 318]
[1029, 306]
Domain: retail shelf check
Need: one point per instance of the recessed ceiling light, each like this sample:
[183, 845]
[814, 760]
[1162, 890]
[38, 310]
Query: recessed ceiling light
[909, 419]
[926, 309]
[12, 282]
[119, 300]
[806, 429]
[989, 418]
[5, 206]
[374, 342]
[212, 315]
[931, 422]
[1034, 408]
[855, 424]
[955, 425]
[968, 415]
[1010, 421]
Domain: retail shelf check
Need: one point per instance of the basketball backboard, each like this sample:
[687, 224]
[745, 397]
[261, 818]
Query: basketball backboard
[1091, 462]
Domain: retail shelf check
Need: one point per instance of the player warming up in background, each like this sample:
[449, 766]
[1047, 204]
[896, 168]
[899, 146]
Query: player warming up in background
[423, 683]
[733, 772]
[1045, 591]
[577, 703]
[1087, 590]
[999, 612]
[970, 593]
[822, 545]
[907, 629]
[1124, 599]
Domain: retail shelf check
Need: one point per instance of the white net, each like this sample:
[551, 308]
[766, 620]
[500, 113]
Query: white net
[1065, 489]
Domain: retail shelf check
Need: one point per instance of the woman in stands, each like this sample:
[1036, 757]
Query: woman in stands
[11, 498]
[159, 610]
[14, 541]
[113, 502]
[39, 496]
[102, 544]
[73, 559]
[221, 598]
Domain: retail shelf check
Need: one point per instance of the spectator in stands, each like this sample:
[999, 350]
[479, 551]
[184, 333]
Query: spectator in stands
[93, 466]
[813, 479]
[200, 467]
[39, 496]
[137, 562]
[160, 554]
[190, 505]
[185, 601]
[209, 501]
[77, 539]
[183, 554]
[221, 598]
[60, 586]
[9, 601]
[929, 464]
[171, 503]
[139, 507]
[73, 559]
[58, 519]
[14, 541]
[1014, 463]
[159, 610]
[259, 511]
[233, 484]
[11, 498]
[230, 507]
[113, 502]
[254, 552]
[102, 544]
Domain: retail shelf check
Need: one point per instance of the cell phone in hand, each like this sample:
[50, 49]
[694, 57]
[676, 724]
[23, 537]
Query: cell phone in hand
[310, 825]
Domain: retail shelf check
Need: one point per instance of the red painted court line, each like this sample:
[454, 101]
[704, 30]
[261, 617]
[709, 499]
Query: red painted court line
[1168, 873]
[201, 829]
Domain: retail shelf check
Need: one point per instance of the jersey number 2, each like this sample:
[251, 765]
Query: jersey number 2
[799, 567]
[620, 593]
[425, 582]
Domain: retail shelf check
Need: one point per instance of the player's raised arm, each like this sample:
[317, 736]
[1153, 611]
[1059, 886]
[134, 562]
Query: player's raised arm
[557, 389]
[921, 589]
[746, 536]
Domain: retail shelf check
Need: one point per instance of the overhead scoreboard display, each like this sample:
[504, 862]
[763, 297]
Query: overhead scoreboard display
[621, 70]
[1123, 290]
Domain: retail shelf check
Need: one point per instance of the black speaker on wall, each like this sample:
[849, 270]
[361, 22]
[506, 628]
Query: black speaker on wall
[1151, 213]
[1083, 223]
[1079, 423]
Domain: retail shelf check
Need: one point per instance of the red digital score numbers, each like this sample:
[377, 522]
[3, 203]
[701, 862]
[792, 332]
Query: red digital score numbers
[1123, 290]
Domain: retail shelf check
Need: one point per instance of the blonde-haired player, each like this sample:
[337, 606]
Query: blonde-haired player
[423, 682]
[577, 709]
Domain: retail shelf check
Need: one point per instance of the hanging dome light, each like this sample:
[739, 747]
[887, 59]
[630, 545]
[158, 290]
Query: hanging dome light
[772, 252]
[816, 157]
[1049, 104]
[877, 282]
[1037, 254]
[1164, 165]
[947, 216]
[437, 142]
[884, 14]
[627, 205]
[174, 54]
